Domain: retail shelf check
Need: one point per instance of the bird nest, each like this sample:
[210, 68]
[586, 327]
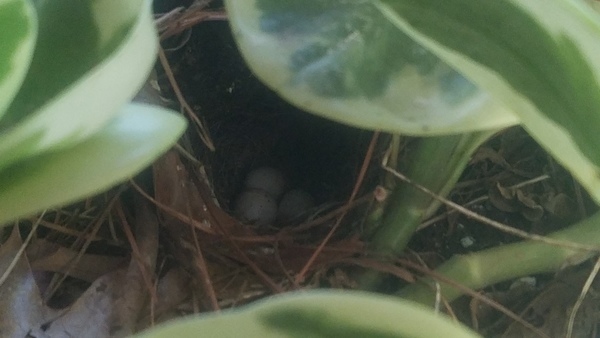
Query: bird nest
[241, 125]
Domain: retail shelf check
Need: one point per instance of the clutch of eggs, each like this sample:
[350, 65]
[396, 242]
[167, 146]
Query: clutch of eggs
[268, 179]
[255, 206]
[294, 204]
[263, 188]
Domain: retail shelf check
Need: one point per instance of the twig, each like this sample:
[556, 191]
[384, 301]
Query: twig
[438, 294]
[495, 224]
[172, 212]
[261, 274]
[466, 290]
[584, 292]
[438, 218]
[330, 215]
[14, 261]
[68, 231]
[137, 254]
[205, 275]
[479, 200]
[95, 227]
[380, 266]
[180, 19]
[286, 273]
[202, 132]
[367, 159]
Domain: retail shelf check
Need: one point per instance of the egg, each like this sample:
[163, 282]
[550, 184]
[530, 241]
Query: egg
[295, 203]
[268, 179]
[256, 207]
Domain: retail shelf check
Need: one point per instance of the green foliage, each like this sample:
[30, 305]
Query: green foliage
[418, 67]
[68, 69]
[352, 64]
[378, 65]
[487, 267]
[19, 27]
[410, 206]
[436, 68]
[128, 143]
[318, 314]
[554, 65]
[537, 57]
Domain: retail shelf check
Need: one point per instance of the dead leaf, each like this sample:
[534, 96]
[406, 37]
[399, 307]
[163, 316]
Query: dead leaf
[503, 198]
[487, 153]
[172, 290]
[110, 307]
[550, 310]
[175, 188]
[93, 314]
[516, 200]
[530, 209]
[21, 306]
[561, 206]
[47, 256]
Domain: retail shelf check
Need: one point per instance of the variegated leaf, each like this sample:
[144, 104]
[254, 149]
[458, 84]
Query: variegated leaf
[350, 63]
[18, 32]
[540, 58]
[324, 313]
[91, 58]
[122, 148]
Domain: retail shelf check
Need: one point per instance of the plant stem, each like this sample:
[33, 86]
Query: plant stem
[436, 163]
[506, 262]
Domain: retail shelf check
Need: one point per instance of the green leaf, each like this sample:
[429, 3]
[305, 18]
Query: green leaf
[318, 314]
[352, 64]
[491, 266]
[122, 148]
[18, 32]
[540, 58]
[91, 58]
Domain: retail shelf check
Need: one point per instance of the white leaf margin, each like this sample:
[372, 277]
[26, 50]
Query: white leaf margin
[550, 135]
[127, 144]
[333, 308]
[268, 58]
[93, 100]
[21, 57]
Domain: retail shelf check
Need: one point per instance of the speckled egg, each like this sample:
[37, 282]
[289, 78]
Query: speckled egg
[267, 179]
[256, 207]
[293, 204]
